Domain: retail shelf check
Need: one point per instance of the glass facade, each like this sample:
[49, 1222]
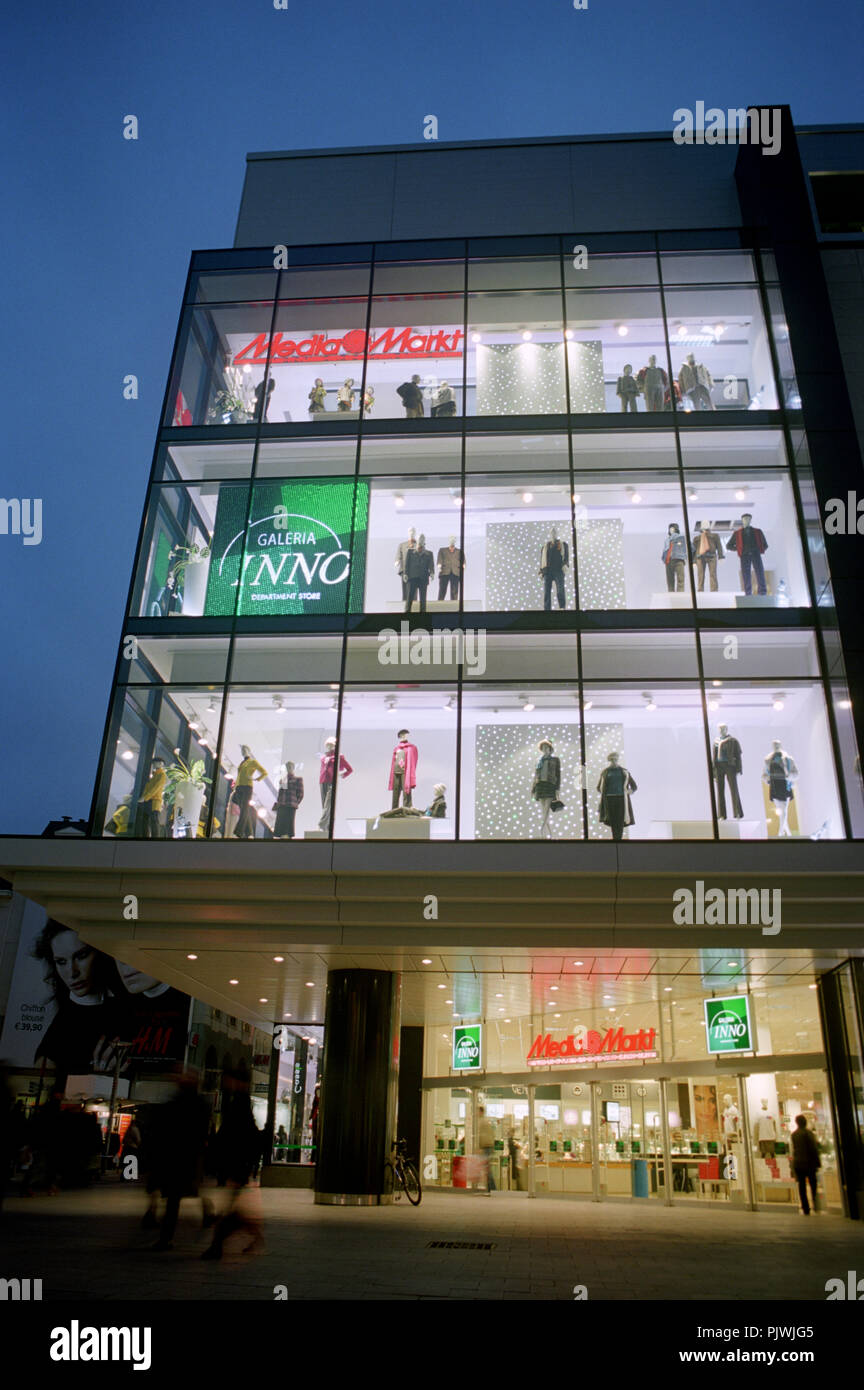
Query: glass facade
[406, 573]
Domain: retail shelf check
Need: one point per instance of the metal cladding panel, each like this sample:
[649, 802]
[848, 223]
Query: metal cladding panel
[311, 201]
[511, 191]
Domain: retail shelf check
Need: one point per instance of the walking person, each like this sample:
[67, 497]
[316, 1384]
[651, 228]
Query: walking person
[486, 1144]
[238, 1144]
[181, 1137]
[805, 1162]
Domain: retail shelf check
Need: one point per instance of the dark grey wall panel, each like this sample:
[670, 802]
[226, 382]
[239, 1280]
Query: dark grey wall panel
[313, 201]
[638, 185]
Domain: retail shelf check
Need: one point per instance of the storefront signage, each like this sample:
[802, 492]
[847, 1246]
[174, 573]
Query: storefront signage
[728, 1025]
[589, 1045]
[467, 1047]
[292, 554]
[389, 346]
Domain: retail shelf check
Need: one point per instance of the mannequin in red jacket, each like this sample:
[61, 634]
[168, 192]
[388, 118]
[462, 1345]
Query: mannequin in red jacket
[403, 770]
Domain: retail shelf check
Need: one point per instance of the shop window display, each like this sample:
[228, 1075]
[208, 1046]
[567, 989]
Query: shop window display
[206, 461]
[417, 560]
[744, 540]
[164, 763]
[718, 344]
[414, 368]
[646, 773]
[276, 743]
[401, 748]
[521, 763]
[616, 354]
[518, 543]
[771, 761]
[215, 382]
[515, 355]
[316, 360]
[295, 1117]
[174, 568]
[306, 458]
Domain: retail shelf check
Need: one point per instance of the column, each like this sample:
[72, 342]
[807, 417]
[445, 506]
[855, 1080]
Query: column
[358, 1087]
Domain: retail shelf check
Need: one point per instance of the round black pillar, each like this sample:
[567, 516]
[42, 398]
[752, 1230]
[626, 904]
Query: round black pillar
[359, 1086]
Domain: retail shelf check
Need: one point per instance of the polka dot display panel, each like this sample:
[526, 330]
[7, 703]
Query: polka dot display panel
[600, 553]
[506, 757]
[521, 379]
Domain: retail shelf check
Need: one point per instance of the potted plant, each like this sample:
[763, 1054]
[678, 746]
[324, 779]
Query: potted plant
[185, 792]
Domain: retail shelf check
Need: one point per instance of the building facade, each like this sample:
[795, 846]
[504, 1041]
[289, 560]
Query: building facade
[486, 583]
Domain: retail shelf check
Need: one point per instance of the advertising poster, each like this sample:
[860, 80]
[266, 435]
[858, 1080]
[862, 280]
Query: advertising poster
[70, 1003]
[294, 554]
[706, 1120]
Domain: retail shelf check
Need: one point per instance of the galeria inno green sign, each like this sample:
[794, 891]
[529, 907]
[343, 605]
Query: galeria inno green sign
[467, 1047]
[728, 1025]
[293, 552]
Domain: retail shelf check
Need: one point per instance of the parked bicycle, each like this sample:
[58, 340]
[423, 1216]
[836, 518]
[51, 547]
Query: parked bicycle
[405, 1175]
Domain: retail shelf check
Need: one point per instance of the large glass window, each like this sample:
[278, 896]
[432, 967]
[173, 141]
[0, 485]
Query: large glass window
[174, 570]
[518, 542]
[616, 352]
[516, 354]
[719, 348]
[414, 358]
[316, 360]
[219, 377]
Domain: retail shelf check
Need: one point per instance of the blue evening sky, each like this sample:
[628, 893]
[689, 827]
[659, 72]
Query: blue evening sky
[98, 232]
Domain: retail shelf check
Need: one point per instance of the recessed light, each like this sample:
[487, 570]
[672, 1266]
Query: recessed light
[442, 986]
[586, 704]
[499, 996]
[527, 335]
[507, 1020]
[636, 497]
[733, 964]
[740, 495]
[262, 1001]
[528, 707]
[844, 704]
[233, 982]
[553, 987]
[426, 960]
[278, 959]
[527, 496]
[310, 984]
[716, 682]
[127, 754]
[719, 328]
[812, 986]
[568, 334]
[448, 1001]
[682, 330]
[476, 337]
[578, 962]
[191, 957]
[286, 1015]
[577, 497]
[667, 989]
[398, 500]
[623, 330]
[500, 1008]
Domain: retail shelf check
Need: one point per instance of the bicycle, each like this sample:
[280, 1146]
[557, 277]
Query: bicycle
[405, 1174]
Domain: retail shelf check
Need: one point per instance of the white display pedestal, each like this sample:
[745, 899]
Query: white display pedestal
[673, 600]
[314, 834]
[411, 828]
[704, 830]
[434, 605]
[717, 600]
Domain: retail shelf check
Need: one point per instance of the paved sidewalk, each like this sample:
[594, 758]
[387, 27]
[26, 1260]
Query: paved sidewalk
[90, 1245]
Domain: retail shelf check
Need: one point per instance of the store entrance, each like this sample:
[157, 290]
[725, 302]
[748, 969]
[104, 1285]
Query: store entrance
[725, 1140]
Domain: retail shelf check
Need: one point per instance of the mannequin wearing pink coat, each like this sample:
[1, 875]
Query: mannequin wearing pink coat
[403, 770]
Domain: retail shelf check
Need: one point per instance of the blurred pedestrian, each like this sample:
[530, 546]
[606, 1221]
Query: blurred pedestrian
[239, 1151]
[180, 1138]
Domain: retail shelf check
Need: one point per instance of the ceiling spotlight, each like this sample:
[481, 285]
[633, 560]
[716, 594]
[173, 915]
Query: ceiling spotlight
[553, 987]
[458, 501]
[448, 704]
[556, 1015]
[527, 496]
[586, 704]
[623, 330]
[841, 704]
[716, 682]
[719, 328]
[577, 497]
[448, 1001]
[649, 700]
[741, 495]
[568, 334]
[127, 754]
[278, 959]
[527, 335]
[262, 1001]
[779, 700]
[499, 996]
[692, 496]
[528, 706]
[398, 499]
[194, 724]
[476, 337]
[578, 962]
[667, 989]
[191, 956]
[233, 982]
[310, 984]
[682, 330]
[442, 986]
[286, 1015]
[636, 497]
[426, 961]
[812, 986]
[211, 708]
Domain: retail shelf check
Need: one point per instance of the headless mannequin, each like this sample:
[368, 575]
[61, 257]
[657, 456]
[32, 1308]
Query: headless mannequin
[765, 1131]
[780, 773]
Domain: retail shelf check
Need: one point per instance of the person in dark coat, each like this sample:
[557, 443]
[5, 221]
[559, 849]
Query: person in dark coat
[805, 1162]
[179, 1141]
[238, 1144]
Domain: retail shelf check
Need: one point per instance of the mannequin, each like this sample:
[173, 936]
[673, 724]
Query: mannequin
[401, 551]
[750, 545]
[326, 778]
[674, 557]
[628, 389]
[780, 773]
[615, 786]
[765, 1131]
[438, 808]
[445, 400]
[411, 396]
[547, 780]
[248, 772]
[731, 1118]
[451, 563]
[368, 400]
[707, 550]
[554, 559]
[726, 764]
[289, 798]
[403, 770]
[419, 569]
[317, 397]
[147, 823]
[695, 381]
[654, 382]
[345, 394]
[259, 393]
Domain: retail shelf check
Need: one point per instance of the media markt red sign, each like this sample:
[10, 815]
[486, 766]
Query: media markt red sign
[588, 1045]
[351, 347]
